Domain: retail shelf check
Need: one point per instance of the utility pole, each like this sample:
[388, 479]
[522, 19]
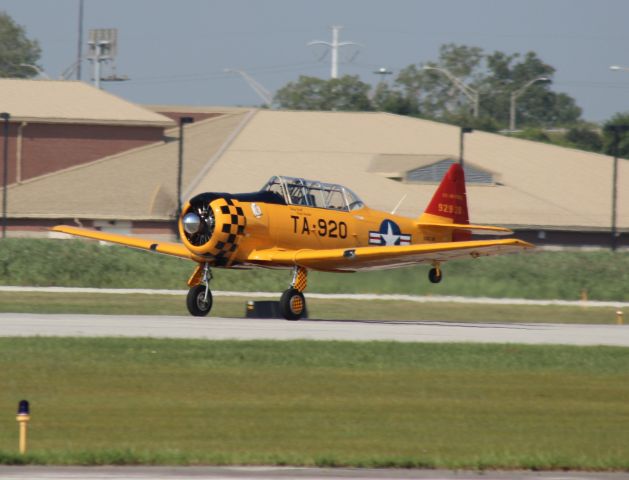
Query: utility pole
[5, 181]
[464, 130]
[616, 130]
[182, 121]
[79, 54]
[334, 49]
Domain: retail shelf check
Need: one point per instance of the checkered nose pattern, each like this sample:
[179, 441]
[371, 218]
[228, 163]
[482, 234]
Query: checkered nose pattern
[229, 229]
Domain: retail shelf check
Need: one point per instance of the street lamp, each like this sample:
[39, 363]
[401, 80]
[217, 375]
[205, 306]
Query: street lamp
[5, 172]
[468, 91]
[464, 130]
[619, 68]
[516, 94]
[182, 122]
[36, 69]
[616, 131]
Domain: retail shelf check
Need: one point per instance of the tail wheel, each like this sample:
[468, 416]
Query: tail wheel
[196, 302]
[292, 304]
[434, 275]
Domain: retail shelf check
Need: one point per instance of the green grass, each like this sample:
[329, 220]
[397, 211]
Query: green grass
[379, 404]
[561, 275]
[138, 304]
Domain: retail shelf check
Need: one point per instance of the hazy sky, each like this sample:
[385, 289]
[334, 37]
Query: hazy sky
[175, 51]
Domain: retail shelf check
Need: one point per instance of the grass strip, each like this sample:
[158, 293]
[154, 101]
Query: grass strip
[602, 275]
[377, 404]
[140, 304]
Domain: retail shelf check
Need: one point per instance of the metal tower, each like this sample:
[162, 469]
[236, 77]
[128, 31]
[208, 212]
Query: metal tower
[334, 49]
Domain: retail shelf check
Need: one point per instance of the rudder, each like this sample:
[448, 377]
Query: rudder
[449, 203]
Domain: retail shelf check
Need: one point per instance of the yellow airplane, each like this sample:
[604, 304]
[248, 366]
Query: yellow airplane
[301, 224]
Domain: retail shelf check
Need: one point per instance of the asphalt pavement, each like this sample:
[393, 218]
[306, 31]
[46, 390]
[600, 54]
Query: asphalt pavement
[215, 328]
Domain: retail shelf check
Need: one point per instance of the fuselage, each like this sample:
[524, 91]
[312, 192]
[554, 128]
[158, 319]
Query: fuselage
[292, 214]
[294, 227]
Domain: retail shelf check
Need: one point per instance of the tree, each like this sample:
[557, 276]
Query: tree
[16, 50]
[435, 94]
[495, 77]
[310, 93]
[585, 137]
[386, 99]
[619, 120]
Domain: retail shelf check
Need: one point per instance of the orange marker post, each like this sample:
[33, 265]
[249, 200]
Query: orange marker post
[23, 417]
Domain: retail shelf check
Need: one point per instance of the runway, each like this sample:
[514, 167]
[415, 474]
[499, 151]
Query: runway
[265, 473]
[215, 328]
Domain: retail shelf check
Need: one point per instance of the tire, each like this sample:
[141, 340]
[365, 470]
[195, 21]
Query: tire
[292, 304]
[194, 301]
[434, 276]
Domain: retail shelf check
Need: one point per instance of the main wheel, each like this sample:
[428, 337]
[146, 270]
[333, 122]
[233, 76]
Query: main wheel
[196, 302]
[434, 275]
[292, 304]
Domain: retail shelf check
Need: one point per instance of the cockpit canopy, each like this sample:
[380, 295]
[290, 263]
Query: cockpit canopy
[299, 191]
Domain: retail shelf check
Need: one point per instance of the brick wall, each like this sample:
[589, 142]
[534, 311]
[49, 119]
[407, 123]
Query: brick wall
[50, 147]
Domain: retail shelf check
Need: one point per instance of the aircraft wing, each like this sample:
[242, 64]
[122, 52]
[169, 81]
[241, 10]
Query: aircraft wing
[381, 257]
[167, 248]
[475, 229]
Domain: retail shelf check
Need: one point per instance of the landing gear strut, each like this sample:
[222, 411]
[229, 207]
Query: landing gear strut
[434, 275]
[199, 300]
[292, 302]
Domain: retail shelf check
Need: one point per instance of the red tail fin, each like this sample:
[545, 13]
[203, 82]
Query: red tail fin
[449, 203]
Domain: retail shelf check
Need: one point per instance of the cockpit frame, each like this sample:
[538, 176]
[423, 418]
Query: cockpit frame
[312, 193]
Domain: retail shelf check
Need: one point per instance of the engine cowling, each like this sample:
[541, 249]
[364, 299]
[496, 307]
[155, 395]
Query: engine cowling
[213, 227]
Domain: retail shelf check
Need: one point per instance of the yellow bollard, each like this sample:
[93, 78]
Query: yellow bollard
[23, 417]
[619, 320]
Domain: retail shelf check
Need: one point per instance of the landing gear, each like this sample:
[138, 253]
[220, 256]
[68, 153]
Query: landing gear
[199, 300]
[434, 275]
[292, 302]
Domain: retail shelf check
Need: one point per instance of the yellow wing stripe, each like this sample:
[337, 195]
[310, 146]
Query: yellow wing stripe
[167, 248]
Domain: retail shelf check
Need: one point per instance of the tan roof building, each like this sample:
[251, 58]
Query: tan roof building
[548, 193]
[55, 125]
[65, 101]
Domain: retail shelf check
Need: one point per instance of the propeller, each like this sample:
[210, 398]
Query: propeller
[198, 224]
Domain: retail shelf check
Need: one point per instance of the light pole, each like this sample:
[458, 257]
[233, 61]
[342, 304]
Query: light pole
[464, 130]
[182, 122]
[619, 68]
[516, 94]
[469, 92]
[37, 69]
[263, 93]
[616, 131]
[5, 172]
